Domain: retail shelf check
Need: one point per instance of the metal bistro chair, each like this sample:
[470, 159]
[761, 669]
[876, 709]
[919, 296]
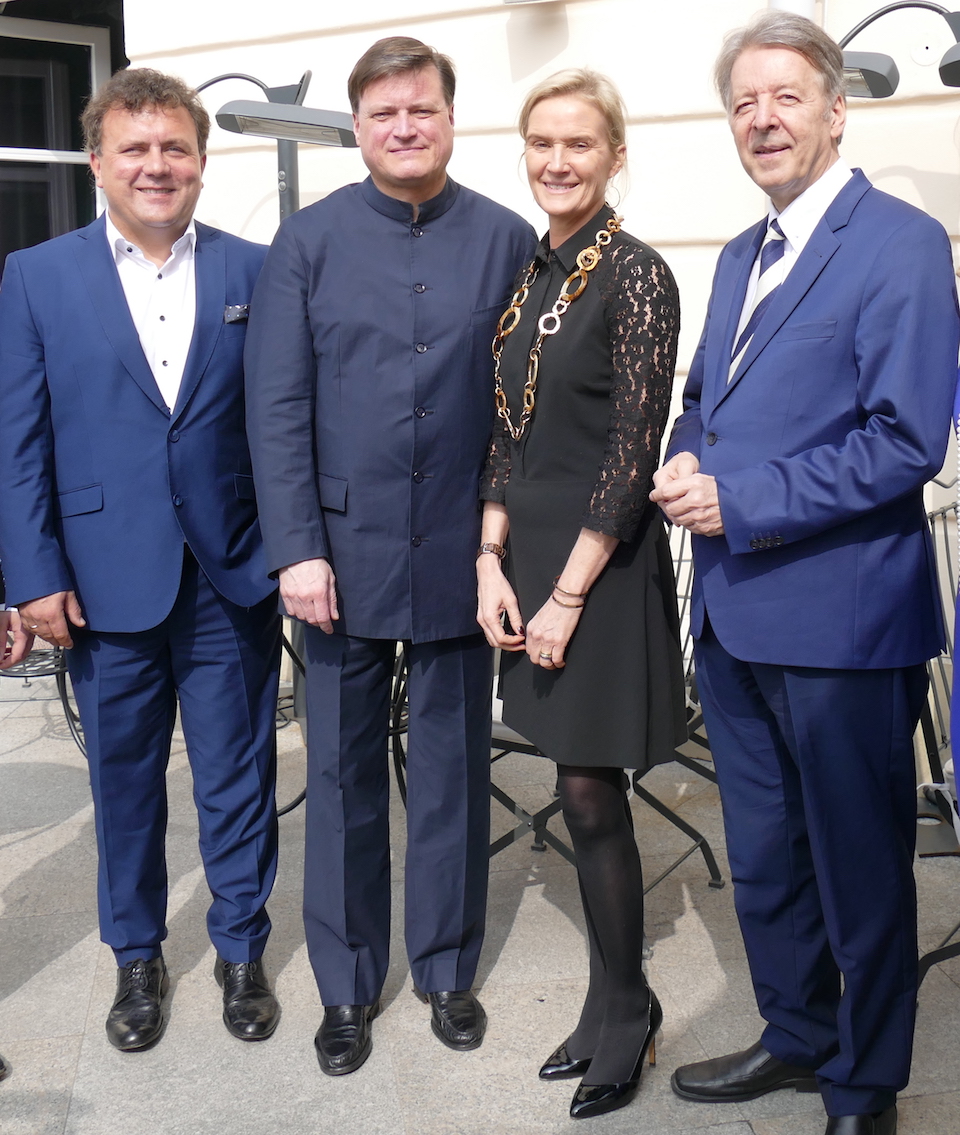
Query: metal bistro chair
[937, 818]
[50, 662]
[504, 741]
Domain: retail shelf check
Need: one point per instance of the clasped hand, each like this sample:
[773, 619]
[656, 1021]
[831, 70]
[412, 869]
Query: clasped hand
[546, 636]
[687, 497]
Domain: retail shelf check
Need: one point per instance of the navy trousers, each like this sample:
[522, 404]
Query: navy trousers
[347, 870]
[816, 773]
[221, 662]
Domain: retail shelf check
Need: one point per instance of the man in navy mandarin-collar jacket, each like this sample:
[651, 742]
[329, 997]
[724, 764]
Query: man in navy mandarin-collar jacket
[817, 406]
[129, 535]
[369, 409]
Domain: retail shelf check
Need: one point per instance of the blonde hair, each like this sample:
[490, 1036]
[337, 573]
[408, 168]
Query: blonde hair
[588, 85]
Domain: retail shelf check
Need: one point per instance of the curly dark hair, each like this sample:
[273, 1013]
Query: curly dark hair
[136, 88]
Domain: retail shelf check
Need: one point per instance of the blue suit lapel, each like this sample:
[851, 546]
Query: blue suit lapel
[811, 262]
[730, 290]
[105, 292]
[211, 274]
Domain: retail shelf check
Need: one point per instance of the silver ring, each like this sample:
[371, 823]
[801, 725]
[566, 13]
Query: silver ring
[549, 655]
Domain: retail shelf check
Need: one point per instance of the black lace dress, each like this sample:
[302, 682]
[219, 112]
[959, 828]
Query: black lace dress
[586, 460]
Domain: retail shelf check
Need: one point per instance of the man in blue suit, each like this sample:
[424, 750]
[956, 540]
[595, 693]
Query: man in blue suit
[817, 406]
[369, 409]
[129, 535]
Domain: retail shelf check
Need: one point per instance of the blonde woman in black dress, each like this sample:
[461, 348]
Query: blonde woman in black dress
[591, 671]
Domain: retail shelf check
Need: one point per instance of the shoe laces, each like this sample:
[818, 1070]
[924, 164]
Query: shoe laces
[135, 975]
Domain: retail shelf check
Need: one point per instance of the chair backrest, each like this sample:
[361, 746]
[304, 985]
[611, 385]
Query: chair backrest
[935, 724]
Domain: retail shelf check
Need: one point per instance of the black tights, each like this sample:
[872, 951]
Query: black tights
[614, 1016]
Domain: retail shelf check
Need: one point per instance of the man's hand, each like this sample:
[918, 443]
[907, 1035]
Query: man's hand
[51, 617]
[682, 465]
[688, 498]
[309, 592]
[15, 641]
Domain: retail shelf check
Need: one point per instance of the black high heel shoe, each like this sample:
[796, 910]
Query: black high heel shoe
[598, 1099]
[559, 1065]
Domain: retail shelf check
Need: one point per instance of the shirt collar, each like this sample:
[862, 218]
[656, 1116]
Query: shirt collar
[802, 215]
[403, 210]
[571, 248]
[119, 244]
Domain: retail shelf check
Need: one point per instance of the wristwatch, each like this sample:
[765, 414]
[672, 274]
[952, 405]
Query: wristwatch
[495, 549]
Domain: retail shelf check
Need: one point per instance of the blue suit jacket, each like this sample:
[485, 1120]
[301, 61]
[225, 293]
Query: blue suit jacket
[101, 484]
[836, 417]
[370, 398]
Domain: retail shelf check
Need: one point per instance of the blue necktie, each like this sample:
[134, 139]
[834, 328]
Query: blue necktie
[769, 280]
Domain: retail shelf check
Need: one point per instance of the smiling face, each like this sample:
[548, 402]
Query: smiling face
[787, 134]
[404, 129]
[149, 168]
[569, 161]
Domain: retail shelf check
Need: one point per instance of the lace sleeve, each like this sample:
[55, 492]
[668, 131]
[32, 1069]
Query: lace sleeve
[643, 319]
[496, 472]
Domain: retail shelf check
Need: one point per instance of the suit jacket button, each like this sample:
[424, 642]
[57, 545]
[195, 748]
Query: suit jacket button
[174, 435]
[178, 500]
[418, 476]
[711, 439]
[420, 412]
[777, 541]
[754, 544]
[417, 541]
[421, 348]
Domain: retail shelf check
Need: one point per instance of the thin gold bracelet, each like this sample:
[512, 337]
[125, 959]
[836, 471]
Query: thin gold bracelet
[570, 606]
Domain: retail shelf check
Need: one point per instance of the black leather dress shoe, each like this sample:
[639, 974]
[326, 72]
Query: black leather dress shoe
[740, 1076]
[559, 1065]
[250, 1010]
[457, 1018]
[4, 1070]
[343, 1041]
[136, 1020]
[883, 1123]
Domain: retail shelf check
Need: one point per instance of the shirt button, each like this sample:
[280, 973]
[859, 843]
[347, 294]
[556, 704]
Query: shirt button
[162, 318]
[420, 412]
[418, 231]
[178, 500]
[711, 439]
[418, 476]
[164, 363]
[159, 275]
[418, 288]
[421, 348]
[417, 541]
[174, 435]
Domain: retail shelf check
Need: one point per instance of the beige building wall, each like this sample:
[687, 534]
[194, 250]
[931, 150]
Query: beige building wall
[686, 194]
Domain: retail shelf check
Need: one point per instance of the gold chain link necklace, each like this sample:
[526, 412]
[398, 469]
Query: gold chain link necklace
[548, 324]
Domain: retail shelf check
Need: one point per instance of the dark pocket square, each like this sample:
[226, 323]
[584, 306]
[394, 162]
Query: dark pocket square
[236, 312]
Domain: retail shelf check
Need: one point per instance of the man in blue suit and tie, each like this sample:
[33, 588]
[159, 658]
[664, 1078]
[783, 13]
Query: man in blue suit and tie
[817, 406]
[369, 409]
[129, 535]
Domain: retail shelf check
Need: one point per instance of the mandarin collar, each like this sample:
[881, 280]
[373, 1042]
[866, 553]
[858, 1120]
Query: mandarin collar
[403, 210]
[571, 248]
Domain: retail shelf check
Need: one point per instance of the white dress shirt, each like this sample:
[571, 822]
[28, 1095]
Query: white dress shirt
[162, 302]
[797, 223]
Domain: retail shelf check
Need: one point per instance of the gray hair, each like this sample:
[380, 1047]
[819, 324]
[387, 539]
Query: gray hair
[783, 29]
